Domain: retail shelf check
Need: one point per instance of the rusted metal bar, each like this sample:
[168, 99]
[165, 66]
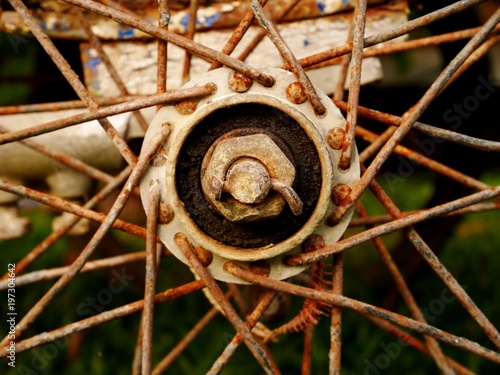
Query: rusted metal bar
[308, 350]
[404, 29]
[193, 11]
[336, 318]
[162, 66]
[96, 44]
[394, 225]
[238, 34]
[150, 283]
[287, 54]
[252, 344]
[376, 143]
[410, 117]
[431, 131]
[189, 45]
[60, 106]
[364, 308]
[427, 162]
[354, 84]
[147, 101]
[338, 93]
[115, 210]
[72, 208]
[52, 273]
[261, 33]
[63, 229]
[380, 219]
[438, 267]
[65, 159]
[187, 339]
[474, 57]
[237, 340]
[104, 317]
[415, 343]
[393, 48]
[432, 344]
[73, 79]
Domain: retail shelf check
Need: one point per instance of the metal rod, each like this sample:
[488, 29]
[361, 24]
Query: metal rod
[393, 33]
[254, 347]
[438, 267]
[287, 54]
[162, 66]
[394, 225]
[191, 29]
[411, 116]
[364, 308]
[238, 34]
[73, 79]
[68, 224]
[335, 354]
[237, 340]
[104, 317]
[96, 44]
[358, 34]
[115, 210]
[405, 292]
[147, 101]
[193, 47]
[151, 274]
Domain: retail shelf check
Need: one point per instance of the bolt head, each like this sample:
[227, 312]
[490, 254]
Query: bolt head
[249, 201]
[248, 181]
[239, 82]
[295, 93]
[339, 193]
[187, 107]
[335, 138]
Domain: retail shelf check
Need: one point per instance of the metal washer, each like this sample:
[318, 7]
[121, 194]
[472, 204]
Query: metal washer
[163, 170]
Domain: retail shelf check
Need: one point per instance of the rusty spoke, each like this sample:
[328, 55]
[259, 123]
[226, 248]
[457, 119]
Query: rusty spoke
[411, 117]
[393, 226]
[237, 340]
[228, 309]
[78, 264]
[73, 80]
[189, 45]
[364, 308]
[287, 54]
[354, 84]
[104, 317]
[432, 345]
[148, 101]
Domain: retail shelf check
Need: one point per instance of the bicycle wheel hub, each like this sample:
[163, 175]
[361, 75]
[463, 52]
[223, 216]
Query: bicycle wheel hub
[250, 172]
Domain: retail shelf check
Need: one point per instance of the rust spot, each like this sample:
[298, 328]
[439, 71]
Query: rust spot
[295, 93]
[312, 243]
[165, 214]
[204, 255]
[339, 193]
[186, 107]
[239, 82]
[260, 267]
[335, 138]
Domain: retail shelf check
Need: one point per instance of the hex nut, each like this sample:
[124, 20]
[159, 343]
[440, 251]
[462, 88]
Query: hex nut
[224, 154]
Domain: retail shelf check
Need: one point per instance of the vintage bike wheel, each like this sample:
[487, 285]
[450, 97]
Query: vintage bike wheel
[257, 192]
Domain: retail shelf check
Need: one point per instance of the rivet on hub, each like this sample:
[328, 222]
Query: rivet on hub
[260, 267]
[295, 93]
[312, 243]
[335, 138]
[339, 193]
[186, 107]
[239, 82]
[204, 255]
